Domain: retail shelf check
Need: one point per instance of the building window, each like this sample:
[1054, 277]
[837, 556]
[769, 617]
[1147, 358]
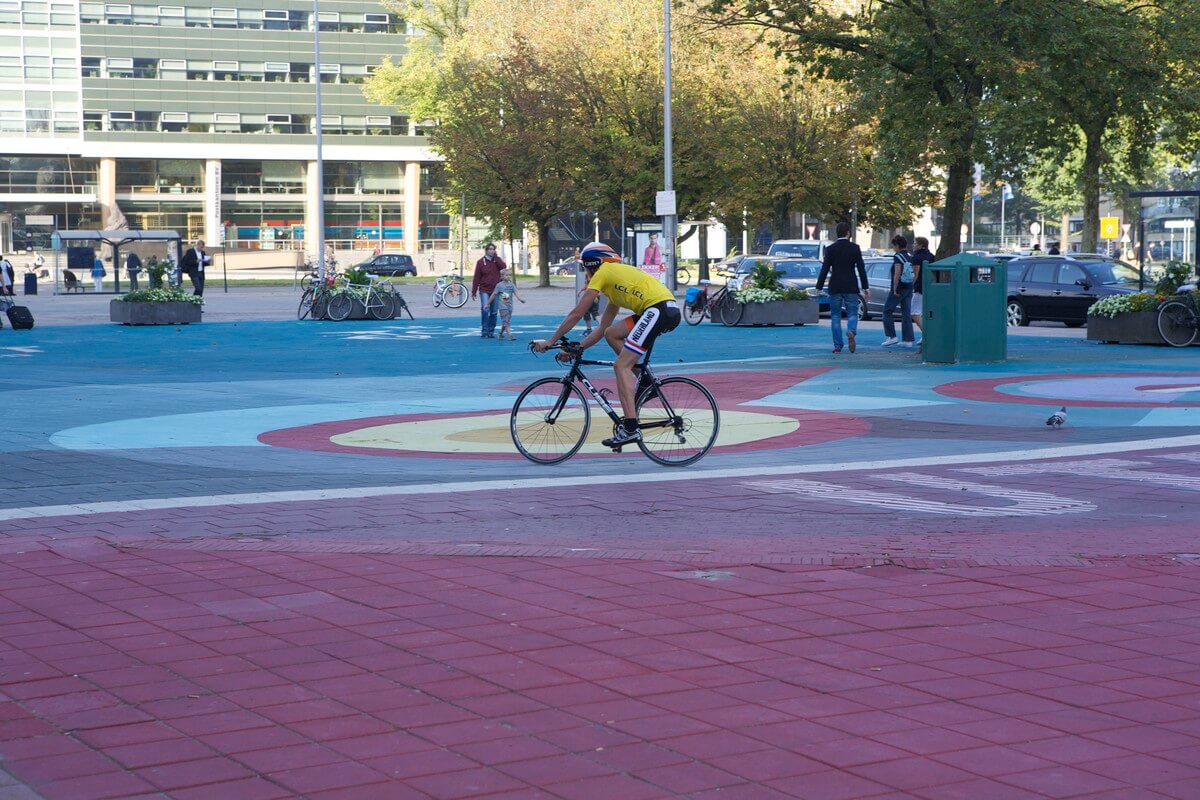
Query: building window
[275, 71]
[280, 123]
[118, 14]
[90, 67]
[299, 72]
[145, 68]
[119, 68]
[275, 20]
[227, 123]
[225, 70]
[10, 67]
[329, 20]
[120, 120]
[375, 23]
[93, 121]
[66, 122]
[330, 73]
[171, 16]
[10, 13]
[63, 15]
[173, 121]
[224, 17]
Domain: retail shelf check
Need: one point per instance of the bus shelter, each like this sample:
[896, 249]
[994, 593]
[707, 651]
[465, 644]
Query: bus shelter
[1168, 221]
[76, 251]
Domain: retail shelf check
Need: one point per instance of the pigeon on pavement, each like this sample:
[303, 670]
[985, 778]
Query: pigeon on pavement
[1058, 418]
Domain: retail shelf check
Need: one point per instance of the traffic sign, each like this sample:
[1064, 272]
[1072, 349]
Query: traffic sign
[1035, 228]
[664, 204]
[1110, 227]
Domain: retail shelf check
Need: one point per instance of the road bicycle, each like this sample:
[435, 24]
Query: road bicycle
[1179, 320]
[451, 290]
[720, 304]
[678, 416]
[377, 301]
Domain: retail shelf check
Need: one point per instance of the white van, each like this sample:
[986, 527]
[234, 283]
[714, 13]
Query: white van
[798, 248]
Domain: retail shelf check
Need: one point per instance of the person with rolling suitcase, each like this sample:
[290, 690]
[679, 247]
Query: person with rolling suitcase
[20, 317]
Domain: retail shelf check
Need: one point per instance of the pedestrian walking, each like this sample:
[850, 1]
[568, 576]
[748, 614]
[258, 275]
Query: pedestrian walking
[843, 266]
[98, 273]
[193, 264]
[922, 257]
[903, 276]
[483, 285]
[133, 265]
[502, 297]
[7, 277]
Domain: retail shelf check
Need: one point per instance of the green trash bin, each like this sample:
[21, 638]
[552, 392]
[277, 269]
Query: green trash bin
[964, 310]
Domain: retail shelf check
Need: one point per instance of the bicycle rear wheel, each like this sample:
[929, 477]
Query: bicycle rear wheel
[437, 296]
[340, 306]
[382, 306]
[1177, 323]
[682, 276]
[550, 421]
[455, 295]
[730, 309]
[679, 420]
[320, 306]
[306, 304]
[694, 313]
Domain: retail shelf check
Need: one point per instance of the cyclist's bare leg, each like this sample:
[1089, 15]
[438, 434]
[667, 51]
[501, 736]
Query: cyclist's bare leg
[623, 366]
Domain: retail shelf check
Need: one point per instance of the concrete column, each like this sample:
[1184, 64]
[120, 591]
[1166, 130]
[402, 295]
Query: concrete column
[214, 229]
[106, 191]
[312, 205]
[412, 207]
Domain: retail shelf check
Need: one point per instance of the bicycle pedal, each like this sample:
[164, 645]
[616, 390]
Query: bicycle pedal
[617, 449]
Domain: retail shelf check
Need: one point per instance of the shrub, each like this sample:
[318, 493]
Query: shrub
[1125, 304]
[161, 296]
[763, 286]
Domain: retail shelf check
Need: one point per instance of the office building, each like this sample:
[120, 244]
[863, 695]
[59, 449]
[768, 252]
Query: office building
[201, 119]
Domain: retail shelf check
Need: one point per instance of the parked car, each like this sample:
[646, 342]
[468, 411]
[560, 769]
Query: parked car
[728, 267]
[802, 273]
[744, 268]
[1062, 288]
[798, 248]
[390, 264]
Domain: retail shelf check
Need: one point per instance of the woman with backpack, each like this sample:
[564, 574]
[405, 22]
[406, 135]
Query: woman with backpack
[900, 295]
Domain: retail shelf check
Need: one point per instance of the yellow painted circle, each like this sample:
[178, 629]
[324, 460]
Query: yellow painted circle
[488, 433]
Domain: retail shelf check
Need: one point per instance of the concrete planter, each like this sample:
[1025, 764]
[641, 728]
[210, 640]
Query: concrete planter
[320, 312]
[1138, 327]
[174, 313]
[779, 312]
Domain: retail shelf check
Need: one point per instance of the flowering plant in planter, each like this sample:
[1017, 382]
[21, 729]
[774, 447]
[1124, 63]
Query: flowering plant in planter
[160, 296]
[763, 286]
[1125, 304]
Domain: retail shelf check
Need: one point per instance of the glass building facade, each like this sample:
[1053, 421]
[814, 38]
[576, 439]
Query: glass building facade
[200, 119]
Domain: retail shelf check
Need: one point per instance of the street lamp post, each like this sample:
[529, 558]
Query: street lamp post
[320, 215]
[669, 220]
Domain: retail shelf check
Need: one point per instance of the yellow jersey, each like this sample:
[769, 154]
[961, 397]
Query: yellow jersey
[628, 287]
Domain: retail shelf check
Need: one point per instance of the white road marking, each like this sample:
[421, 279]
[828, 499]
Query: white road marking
[563, 478]
[1023, 503]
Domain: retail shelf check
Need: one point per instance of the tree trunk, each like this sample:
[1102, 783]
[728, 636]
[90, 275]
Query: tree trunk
[1089, 185]
[703, 242]
[543, 256]
[781, 224]
[959, 177]
[1064, 236]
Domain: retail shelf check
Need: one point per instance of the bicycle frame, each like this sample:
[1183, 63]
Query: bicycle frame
[576, 374]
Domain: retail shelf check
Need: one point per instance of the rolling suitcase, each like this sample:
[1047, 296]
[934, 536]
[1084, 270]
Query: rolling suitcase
[20, 318]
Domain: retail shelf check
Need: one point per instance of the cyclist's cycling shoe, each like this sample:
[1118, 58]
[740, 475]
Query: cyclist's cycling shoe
[623, 437]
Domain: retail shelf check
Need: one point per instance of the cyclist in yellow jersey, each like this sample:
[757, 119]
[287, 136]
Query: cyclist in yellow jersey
[654, 310]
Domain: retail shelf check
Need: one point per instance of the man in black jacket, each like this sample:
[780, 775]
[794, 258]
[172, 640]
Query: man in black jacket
[847, 275]
[192, 265]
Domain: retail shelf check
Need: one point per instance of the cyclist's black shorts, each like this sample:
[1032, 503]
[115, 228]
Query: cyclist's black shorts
[644, 328]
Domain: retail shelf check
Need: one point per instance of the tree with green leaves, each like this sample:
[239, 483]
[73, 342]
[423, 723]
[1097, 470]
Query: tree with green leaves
[925, 66]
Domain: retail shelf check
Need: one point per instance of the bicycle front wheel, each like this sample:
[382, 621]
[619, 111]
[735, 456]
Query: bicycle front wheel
[320, 306]
[679, 421]
[694, 313]
[550, 421]
[383, 306]
[437, 296]
[455, 295]
[682, 276]
[730, 310]
[340, 306]
[1177, 323]
[306, 305]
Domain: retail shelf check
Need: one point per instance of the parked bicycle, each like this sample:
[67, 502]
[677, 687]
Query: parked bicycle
[704, 302]
[1179, 320]
[314, 300]
[451, 290]
[678, 416]
[377, 301]
[683, 276]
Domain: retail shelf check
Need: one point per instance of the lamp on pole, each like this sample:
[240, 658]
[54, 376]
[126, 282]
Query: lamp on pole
[669, 219]
[320, 215]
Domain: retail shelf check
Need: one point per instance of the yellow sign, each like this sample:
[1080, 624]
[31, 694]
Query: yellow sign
[1110, 227]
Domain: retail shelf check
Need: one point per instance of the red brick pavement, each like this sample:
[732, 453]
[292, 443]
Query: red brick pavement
[233, 673]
